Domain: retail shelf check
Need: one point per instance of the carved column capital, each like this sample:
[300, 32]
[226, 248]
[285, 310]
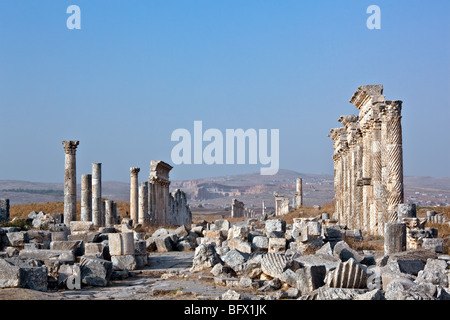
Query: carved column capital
[134, 171]
[70, 147]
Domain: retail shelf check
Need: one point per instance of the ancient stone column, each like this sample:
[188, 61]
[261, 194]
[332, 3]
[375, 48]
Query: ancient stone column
[143, 202]
[335, 135]
[367, 171]
[109, 217]
[394, 158]
[70, 181]
[299, 193]
[358, 181]
[116, 218]
[134, 195]
[86, 197]
[377, 219]
[4, 209]
[394, 237]
[158, 191]
[352, 133]
[97, 194]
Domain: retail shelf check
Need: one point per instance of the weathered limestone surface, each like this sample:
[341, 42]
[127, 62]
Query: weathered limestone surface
[4, 209]
[368, 162]
[281, 205]
[70, 181]
[86, 197]
[299, 193]
[143, 202]
[109, 215]
[394, 237]
[158, 192]
[97, 195]
[134, 194]
[180, 213]
[237, 208]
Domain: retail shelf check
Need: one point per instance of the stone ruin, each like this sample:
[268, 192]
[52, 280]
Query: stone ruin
[165, 208]
[368, 162]
[311, 260]
[281, 205]
[237, 208]
[149, 202]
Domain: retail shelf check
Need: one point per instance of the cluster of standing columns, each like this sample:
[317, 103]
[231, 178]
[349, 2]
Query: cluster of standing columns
[368, 162]
[93, 208]
[151, 201]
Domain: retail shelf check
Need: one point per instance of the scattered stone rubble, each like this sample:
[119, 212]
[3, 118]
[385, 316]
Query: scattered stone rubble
[310, 260]
[52, 255]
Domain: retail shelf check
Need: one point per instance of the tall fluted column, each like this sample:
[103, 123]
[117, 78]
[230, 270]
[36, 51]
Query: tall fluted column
[394, 158]
[70, 181]
[97, 194]
[367, 171]
[358, 182]
[86, 197]
[377, 186]
[143, 202]
[134, 194]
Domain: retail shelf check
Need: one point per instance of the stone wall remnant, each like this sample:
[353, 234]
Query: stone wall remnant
[237, 208]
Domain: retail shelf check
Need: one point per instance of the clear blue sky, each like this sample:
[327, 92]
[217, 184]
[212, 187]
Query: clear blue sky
[137, 70]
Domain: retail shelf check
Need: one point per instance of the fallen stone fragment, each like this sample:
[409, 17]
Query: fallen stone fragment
[349, 274]
[205, 257]
[95, 272]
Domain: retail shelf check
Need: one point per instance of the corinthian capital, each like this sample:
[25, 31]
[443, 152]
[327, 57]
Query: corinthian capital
[134, 171]
[70, 147]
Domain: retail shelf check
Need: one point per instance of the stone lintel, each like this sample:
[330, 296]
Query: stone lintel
[367, 93]
[159, 170]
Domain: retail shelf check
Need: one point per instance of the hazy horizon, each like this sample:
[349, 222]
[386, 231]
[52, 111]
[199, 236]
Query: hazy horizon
[138, 70]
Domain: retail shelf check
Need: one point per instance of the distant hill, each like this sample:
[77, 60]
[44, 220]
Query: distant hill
[218, 192]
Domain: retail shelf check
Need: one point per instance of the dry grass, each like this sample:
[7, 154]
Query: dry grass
[369, 242]
[22, 210]
[443, 228]
[306, 212]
